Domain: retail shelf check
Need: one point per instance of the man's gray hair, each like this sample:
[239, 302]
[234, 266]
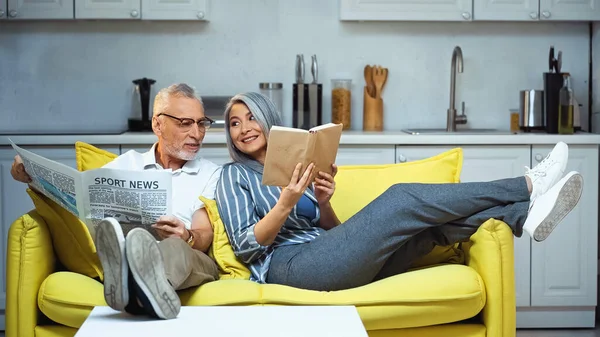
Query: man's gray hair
[264, 112]
[161, 101]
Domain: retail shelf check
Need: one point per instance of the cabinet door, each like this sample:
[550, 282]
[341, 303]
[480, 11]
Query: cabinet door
[406, 10]
[485, 163]
[14, 200]
[571, 10]
[174, 10]
[506, 10]
[564, 266]
[39, 9]
[218, 154]
[3, 10]
[365, 155]
[108, 9]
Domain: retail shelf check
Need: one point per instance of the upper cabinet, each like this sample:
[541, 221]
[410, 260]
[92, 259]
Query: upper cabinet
[470, 10]
[36, 9]
[528, 10]
[406, 10]
[570, 10]
[108, 9]
[512, 10]
[174, 10]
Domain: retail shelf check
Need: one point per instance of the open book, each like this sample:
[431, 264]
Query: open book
[289, 146]
[134, 198]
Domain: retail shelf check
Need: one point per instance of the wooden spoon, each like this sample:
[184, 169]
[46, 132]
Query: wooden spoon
[379, 77]
[369, 80]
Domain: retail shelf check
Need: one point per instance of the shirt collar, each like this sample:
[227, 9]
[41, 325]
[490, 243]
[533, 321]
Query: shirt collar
[149, 159]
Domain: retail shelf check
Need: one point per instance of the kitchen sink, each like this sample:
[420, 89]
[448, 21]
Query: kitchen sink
[420, 131]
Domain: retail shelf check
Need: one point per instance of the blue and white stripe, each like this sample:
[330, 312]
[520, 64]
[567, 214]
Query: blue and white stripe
[242, 202]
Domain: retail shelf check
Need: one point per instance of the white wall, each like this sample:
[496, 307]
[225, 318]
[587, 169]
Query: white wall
[596, 78]
[76, 76]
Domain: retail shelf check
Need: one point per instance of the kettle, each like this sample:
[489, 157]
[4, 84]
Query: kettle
[143, 88]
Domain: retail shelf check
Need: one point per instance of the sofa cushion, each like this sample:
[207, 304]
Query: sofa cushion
[230, 266]
[89, 157]
[413, 299]
[68, 298]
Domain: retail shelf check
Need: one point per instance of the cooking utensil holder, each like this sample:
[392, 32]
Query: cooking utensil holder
[372, 112]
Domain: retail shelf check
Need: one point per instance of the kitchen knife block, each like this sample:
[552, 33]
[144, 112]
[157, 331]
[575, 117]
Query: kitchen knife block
[552, 84]
[307, 109]
[372, 113]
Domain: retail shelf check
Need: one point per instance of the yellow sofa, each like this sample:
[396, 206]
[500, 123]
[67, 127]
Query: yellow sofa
[462, 290]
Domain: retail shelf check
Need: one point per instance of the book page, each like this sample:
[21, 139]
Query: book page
[285, 149]
[326, 147]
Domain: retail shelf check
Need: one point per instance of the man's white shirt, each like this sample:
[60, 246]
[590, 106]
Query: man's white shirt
[198, 177]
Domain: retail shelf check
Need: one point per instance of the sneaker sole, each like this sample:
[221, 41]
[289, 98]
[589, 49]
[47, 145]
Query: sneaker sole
[567, 199]
[147, 267]
[110, 244]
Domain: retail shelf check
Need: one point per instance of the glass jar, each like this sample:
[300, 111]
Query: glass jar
[341, 102]
[275, 93]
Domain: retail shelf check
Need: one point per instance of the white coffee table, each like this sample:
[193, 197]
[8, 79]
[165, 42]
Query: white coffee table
[225, 321]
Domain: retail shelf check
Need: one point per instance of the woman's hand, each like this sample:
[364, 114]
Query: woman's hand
[325, 186]
[291, 193]
[169, 226]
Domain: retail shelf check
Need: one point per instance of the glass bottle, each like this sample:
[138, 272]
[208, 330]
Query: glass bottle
[566, 107]
[341, 102]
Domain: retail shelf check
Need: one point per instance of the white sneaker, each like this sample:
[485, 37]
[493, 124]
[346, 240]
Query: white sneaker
[110, 245]
[545, 174]
[551, 207]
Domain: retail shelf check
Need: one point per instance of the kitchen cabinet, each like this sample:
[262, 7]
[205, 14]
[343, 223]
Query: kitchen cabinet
[365, 155]
[564, 267]
[36, 9]
[406, 10]
[108, 9]
[14, 200]
[570, 10]
[174, 10]
[534, 10]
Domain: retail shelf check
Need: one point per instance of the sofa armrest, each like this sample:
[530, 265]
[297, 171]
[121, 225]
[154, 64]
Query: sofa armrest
[30, 259]
[491, 253]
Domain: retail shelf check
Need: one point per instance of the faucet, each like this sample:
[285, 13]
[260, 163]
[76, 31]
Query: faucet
[452, 118]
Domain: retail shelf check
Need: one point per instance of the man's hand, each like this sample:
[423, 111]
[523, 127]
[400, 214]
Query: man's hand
[169, 226]
[18, 171]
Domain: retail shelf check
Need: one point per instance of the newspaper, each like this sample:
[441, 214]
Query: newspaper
[134, 198]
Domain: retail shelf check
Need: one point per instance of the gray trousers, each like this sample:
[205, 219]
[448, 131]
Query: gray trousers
[186, 267]
[401, 225]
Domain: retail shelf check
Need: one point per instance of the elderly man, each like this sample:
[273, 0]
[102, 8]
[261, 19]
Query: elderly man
[141, 275]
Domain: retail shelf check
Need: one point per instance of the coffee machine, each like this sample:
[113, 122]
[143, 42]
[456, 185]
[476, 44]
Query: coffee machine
[144, 89]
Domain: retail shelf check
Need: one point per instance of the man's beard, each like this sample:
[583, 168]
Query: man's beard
[181, 153]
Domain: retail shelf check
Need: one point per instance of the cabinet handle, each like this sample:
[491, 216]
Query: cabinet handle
[134, 13]
[466, 15]
[533, 15]
[1, 13]
[539, 157]
[546, 14]
[401, 159]
[200, 15]
[12, 13]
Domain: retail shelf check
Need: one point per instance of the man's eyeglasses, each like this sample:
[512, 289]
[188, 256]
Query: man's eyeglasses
[186, 123]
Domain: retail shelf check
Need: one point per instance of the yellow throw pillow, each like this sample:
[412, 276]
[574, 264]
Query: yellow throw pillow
[90, 157]
[73, 244]
[358, 185]
[230, 267]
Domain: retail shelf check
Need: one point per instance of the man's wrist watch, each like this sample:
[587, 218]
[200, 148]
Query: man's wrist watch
[191, 240]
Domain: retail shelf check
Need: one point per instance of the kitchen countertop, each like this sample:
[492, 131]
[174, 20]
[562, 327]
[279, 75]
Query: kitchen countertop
[348, 138]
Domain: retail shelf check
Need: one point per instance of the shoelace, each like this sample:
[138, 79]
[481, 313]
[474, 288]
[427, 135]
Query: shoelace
[540, 169]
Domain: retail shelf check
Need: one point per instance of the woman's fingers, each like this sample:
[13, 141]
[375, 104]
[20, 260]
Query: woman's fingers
[295, 174]
[305, 180]
[324, 182]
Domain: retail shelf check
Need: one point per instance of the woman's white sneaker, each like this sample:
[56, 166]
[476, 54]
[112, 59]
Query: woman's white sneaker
[548, 209]
[549, 171]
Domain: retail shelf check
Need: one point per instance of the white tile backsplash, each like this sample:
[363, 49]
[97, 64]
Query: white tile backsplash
[76, 76]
